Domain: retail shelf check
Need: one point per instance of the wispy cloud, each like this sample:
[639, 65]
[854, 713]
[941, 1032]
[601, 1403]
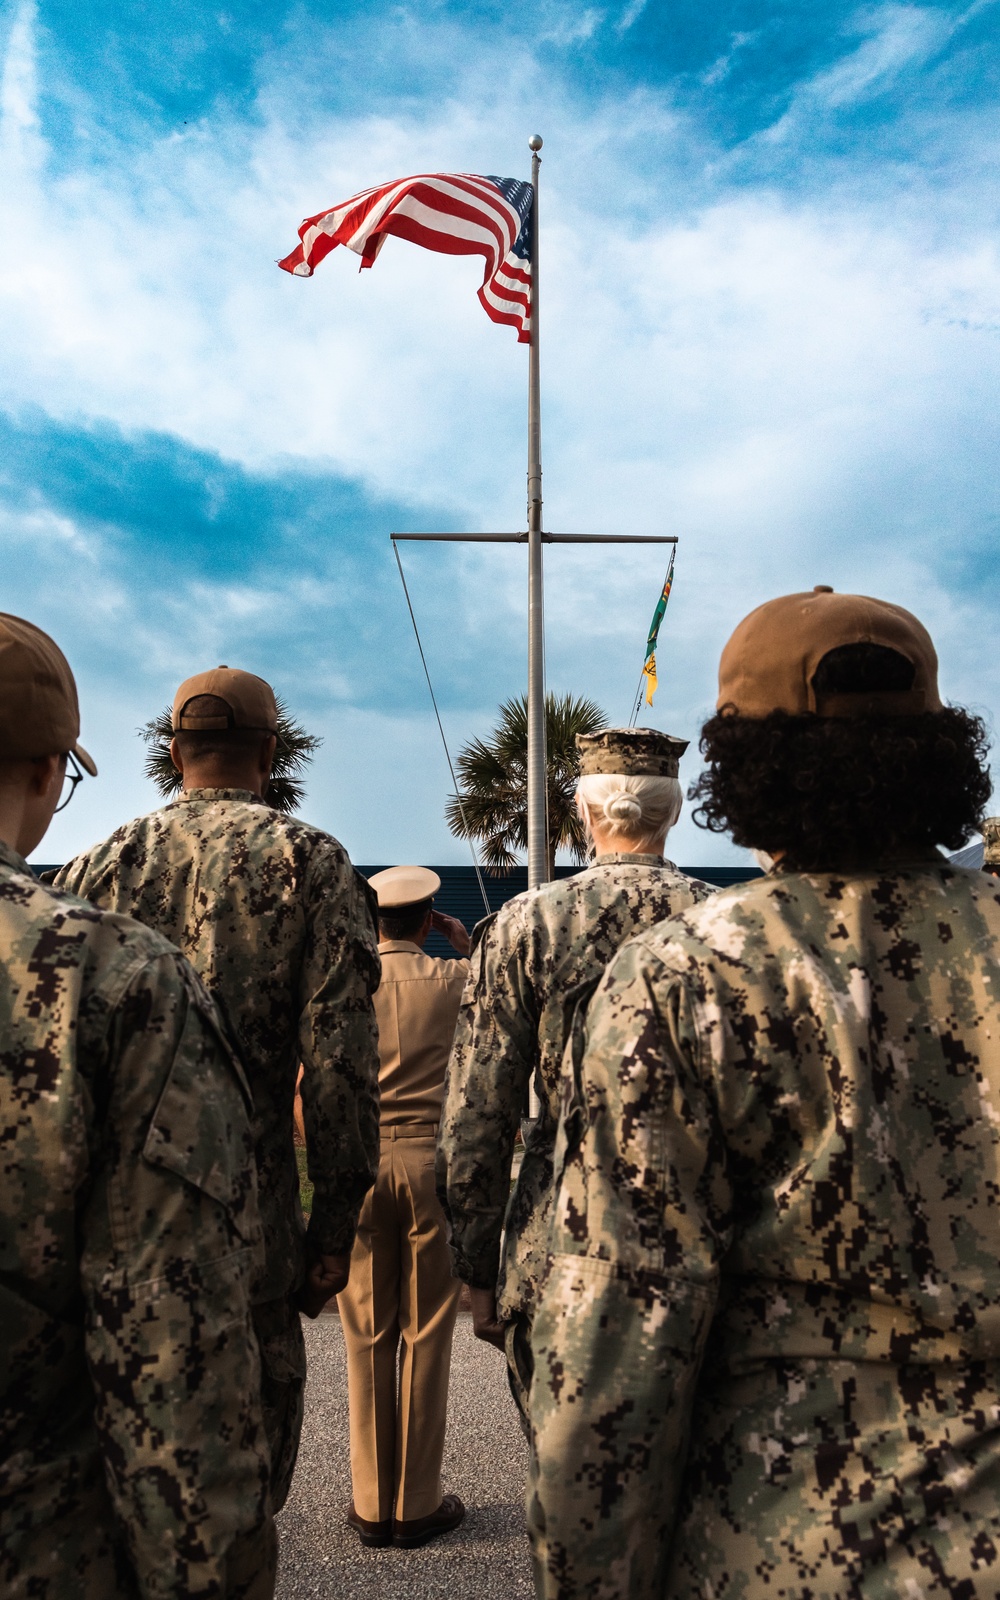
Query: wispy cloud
[630, 16]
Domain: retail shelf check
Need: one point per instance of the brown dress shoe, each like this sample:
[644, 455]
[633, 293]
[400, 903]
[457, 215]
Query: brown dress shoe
[374, 1534]
[421, 1530]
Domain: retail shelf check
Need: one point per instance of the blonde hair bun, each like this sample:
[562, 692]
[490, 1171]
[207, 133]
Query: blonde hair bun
[623, 808]
[636, 807]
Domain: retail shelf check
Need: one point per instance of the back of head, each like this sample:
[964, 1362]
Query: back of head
[405, 898]
[221, 717]
[628, 787]
[634, 809]
[831, 747]
[39, 709]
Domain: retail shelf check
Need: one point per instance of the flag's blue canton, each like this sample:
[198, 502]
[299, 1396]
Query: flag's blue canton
[520, 196]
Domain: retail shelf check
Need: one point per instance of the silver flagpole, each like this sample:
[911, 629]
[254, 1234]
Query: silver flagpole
[538, 851]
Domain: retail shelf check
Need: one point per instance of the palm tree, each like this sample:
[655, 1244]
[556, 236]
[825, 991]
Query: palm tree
[293, 754]
[493, 782]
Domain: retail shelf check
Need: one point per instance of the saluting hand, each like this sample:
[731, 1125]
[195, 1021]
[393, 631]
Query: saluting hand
[453, 930]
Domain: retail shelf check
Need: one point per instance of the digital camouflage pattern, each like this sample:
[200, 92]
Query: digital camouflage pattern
[767, 1355]
[273, 917]
[132, 1454]
[528, 965]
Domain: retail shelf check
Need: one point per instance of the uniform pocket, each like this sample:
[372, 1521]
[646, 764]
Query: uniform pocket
[200, 1130]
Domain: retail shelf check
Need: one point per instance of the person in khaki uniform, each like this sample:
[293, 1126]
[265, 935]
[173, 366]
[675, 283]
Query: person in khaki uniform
[400, 1284]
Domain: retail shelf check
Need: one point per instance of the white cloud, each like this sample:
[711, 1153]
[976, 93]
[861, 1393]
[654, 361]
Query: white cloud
[630, 16]
[801, 388]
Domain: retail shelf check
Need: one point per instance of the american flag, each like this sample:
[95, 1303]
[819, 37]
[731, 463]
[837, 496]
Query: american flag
[456, 213]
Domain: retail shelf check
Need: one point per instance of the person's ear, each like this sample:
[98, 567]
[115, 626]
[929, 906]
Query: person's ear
[45, 772]
[268, 750]
[177, 760]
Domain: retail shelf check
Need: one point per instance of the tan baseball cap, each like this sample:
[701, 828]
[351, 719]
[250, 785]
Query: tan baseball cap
[630, 753]
[397, 887]
[250, 700]
[771, 659]
[39, 709]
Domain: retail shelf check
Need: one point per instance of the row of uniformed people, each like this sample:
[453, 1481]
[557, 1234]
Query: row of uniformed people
[696, 1181]
[154, 1258]
[504, 1032]
[750, 1290]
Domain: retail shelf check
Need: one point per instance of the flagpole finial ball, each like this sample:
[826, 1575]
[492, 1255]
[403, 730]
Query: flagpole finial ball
[535, 142]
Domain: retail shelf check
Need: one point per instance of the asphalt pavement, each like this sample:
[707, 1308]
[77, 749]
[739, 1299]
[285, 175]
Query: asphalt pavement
[484, 1462]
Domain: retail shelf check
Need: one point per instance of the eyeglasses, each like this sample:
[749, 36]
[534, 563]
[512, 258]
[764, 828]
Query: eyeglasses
[72, 777]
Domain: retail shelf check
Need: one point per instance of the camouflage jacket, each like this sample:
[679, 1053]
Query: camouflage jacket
[273, 917]
[528, 965]
[768, 1348]
[132, 1456]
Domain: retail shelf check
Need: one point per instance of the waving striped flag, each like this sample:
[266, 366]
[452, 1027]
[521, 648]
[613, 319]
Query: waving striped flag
[458, 214]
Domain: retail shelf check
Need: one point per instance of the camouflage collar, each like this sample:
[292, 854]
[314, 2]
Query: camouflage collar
[246, 795]
[629, 858]
[10, 858]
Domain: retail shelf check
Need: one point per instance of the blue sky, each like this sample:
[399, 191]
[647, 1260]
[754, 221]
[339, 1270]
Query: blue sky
[771, 326]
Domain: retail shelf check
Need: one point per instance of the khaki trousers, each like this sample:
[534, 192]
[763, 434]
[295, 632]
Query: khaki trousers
[400, 1288]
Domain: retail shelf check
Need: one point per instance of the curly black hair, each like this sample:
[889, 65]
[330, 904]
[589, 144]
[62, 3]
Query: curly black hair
[835, 792]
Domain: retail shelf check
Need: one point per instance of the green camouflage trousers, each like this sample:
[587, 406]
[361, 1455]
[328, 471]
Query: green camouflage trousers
[283, 1380]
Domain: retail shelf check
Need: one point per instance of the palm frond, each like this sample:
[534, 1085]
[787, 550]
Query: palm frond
[295, 750]
[493, 781]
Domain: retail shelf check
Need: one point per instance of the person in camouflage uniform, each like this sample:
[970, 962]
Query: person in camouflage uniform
[768, 1347]
[991, 846]
[282, 930]
[528, 962]
[133, 1460]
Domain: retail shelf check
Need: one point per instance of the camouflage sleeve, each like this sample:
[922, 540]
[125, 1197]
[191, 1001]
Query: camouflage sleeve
[485, 1094]
[169, 1238]
[338, 1043]
[642, 1219]
[88, 874]
[700, 890]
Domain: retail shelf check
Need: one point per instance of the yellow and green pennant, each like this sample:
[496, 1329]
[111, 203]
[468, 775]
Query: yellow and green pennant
[649, 667]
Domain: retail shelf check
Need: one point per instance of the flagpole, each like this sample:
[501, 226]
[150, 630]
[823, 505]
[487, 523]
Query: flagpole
[538, 850]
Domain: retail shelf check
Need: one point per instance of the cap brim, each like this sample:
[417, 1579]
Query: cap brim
[86, 761]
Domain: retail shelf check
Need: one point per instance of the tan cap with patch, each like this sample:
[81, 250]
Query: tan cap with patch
[397, 887]
[250, 700]
[771, 659]
[39, 709]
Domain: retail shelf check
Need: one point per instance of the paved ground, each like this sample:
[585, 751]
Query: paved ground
[484, 1462]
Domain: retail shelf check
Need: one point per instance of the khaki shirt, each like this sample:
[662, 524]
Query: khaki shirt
[416, 1007]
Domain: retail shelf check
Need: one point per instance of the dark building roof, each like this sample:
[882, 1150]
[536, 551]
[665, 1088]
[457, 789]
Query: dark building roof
[461, 895]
